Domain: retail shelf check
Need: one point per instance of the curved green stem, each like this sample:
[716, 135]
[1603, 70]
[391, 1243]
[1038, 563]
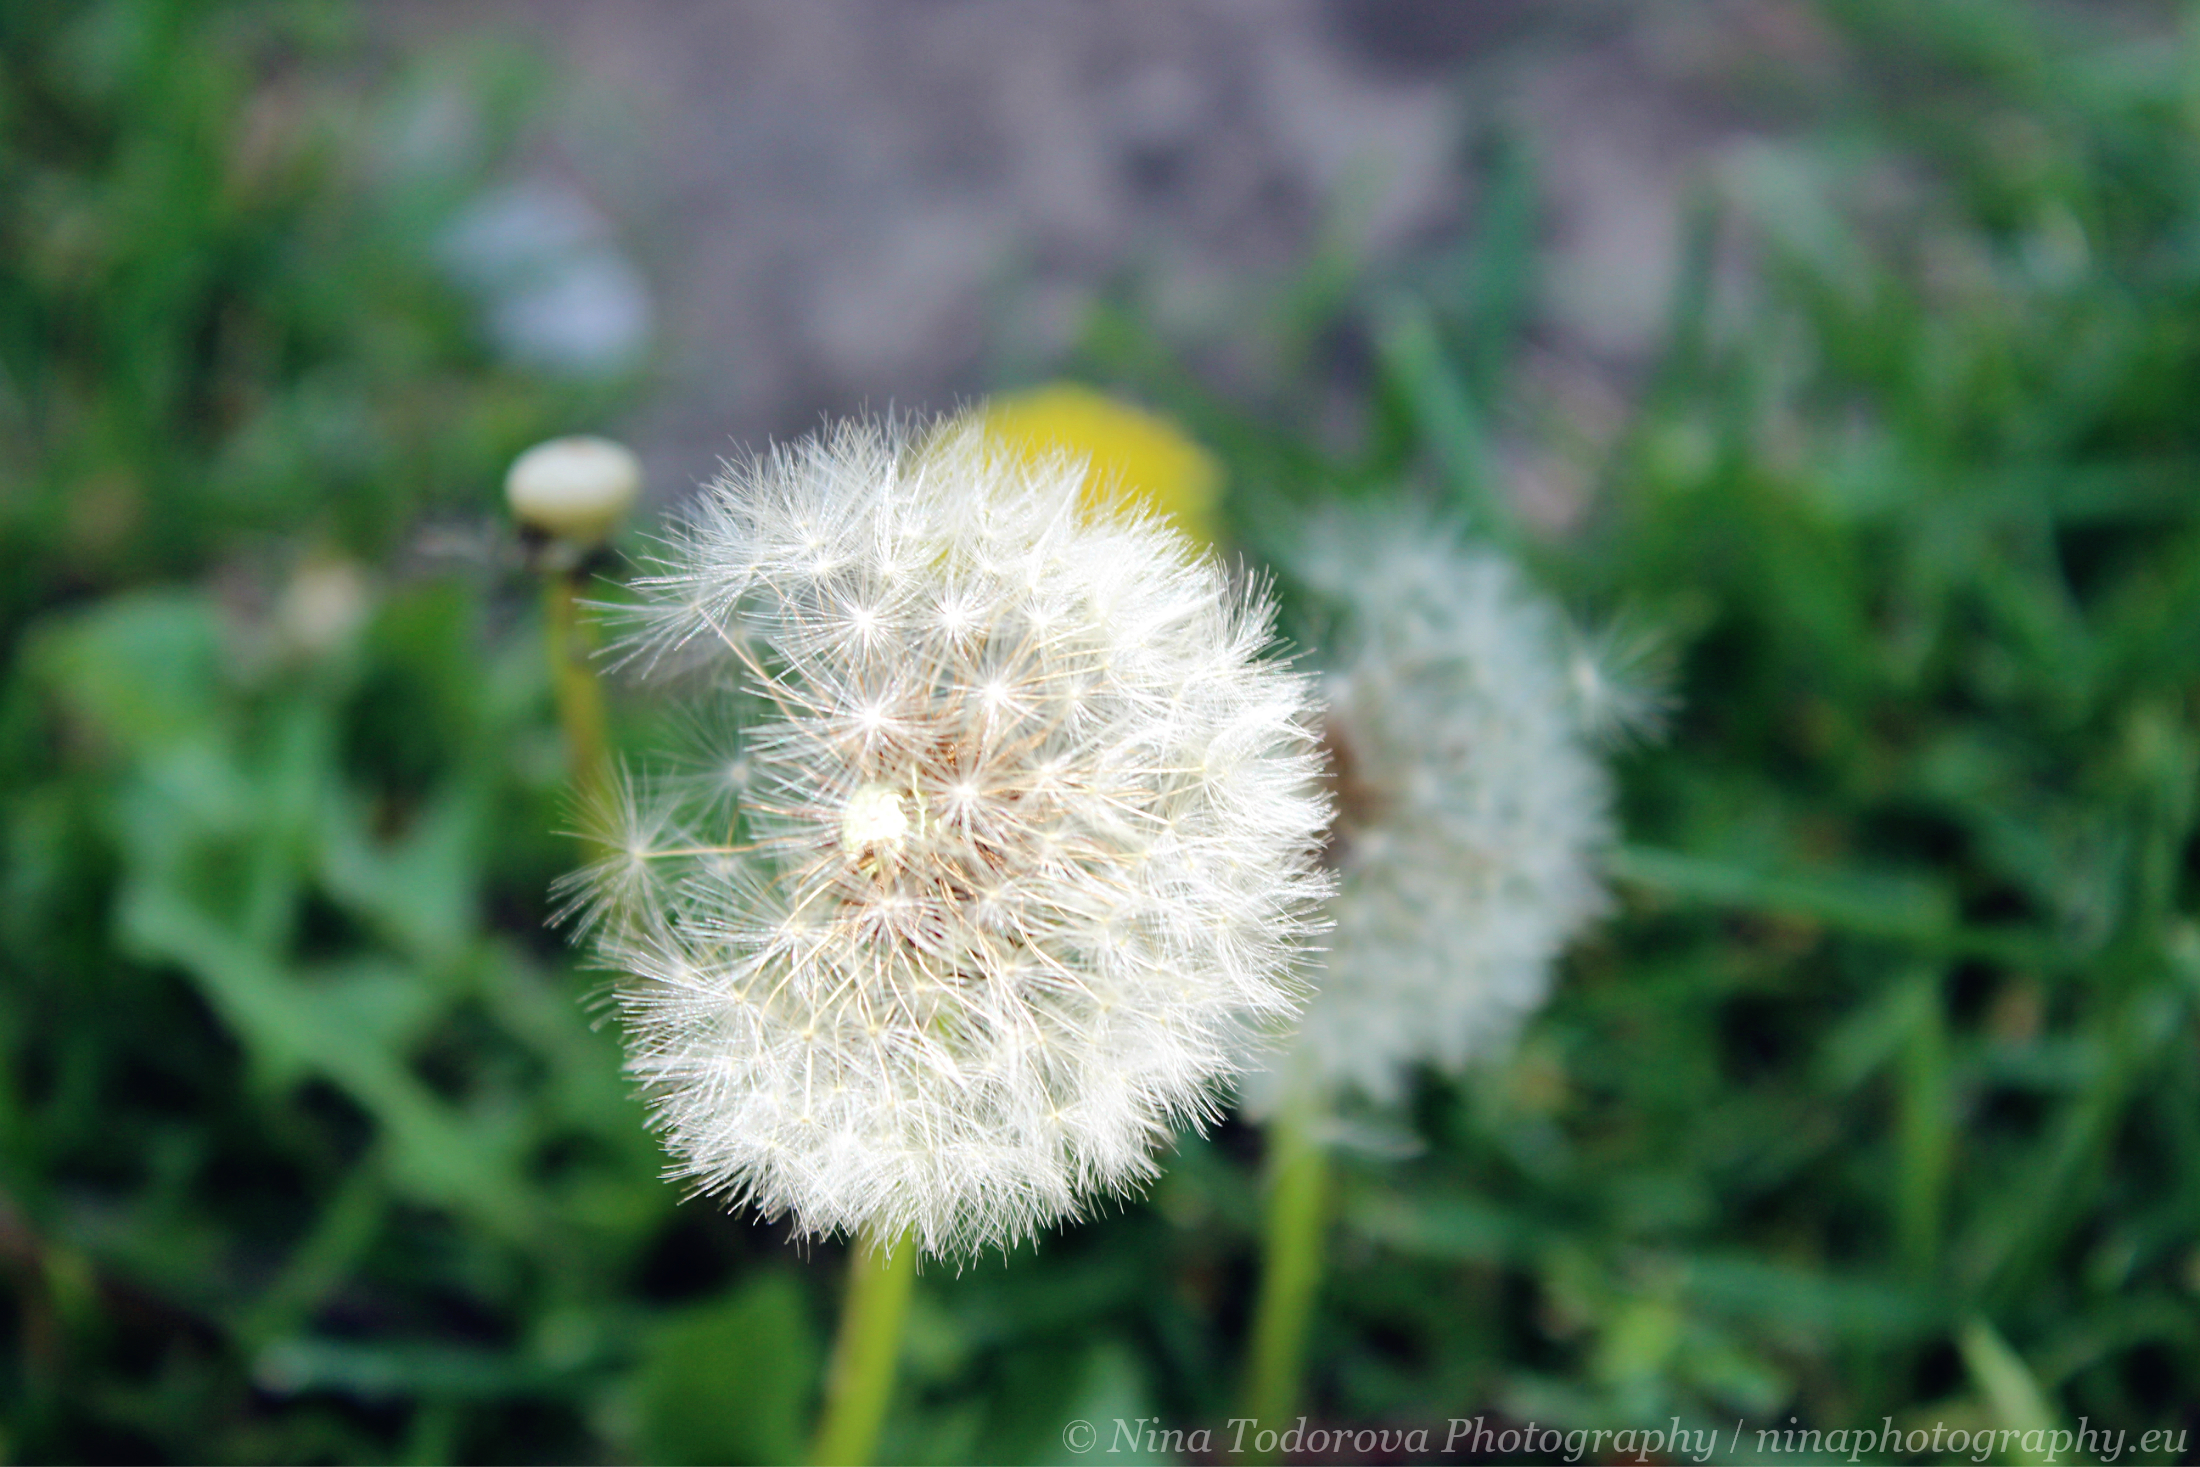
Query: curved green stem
[861, 1380]
[1291, 1267]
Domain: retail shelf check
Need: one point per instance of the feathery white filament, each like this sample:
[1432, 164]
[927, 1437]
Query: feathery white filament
[1020, 850]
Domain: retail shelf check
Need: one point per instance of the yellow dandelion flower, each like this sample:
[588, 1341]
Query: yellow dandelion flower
[1135, 456]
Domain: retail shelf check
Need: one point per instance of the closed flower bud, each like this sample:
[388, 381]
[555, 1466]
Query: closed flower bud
[573, 490]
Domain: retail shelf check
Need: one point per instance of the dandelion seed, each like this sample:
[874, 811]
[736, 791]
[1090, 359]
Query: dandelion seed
[1621, 674]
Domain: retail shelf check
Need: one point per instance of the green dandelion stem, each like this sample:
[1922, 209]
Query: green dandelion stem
[573, 678]
[861, 1379]
[1291, 1267]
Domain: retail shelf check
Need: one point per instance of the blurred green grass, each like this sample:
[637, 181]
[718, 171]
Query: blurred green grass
[1878, 1096]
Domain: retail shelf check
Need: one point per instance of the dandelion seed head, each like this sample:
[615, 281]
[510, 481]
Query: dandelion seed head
[1002, 891]
[1471, 806]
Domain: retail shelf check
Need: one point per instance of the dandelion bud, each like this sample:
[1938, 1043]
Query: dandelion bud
[574, 490]
[1018, 853]
[1471, 808]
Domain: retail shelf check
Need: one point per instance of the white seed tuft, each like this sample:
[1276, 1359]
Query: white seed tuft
[1021, 853]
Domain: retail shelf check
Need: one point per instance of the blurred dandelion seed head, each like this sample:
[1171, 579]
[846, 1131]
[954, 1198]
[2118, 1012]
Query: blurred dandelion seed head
[1020, 855]
[1471, 808]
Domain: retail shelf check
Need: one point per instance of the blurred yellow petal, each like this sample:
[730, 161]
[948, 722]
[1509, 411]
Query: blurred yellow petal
[1137, 457]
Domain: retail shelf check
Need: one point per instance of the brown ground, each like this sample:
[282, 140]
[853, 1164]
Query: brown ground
[847, 202]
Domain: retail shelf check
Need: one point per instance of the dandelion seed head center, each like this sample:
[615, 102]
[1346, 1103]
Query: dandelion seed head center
[873, 818]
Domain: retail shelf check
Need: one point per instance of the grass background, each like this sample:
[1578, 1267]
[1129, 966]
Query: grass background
[1878, 1096]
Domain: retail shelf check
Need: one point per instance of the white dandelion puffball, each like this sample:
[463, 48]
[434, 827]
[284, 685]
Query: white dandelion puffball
[1002, 842]
[1471, 807]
